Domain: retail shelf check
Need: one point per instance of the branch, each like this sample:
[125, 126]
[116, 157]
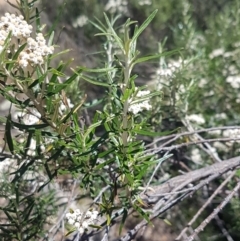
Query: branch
[178, 135]
[173, 147]
[214, 213]
[152, 195]
[205, 205]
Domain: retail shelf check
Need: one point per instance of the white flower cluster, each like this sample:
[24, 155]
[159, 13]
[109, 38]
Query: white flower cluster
[145, 2]
[29, 117]
[5, 165]
[216, 53]
[76, 219]
[164, 73]
[136, 105]
[232, 133]
[14, 24]
[171, 68]
[234, 81]
[35, 50]
[80, 21]
[196, 156]
[197, 118]
[119, 6]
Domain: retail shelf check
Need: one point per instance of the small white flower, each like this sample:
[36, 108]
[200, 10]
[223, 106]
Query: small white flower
[85, 224]
[145, 2]
[77, 224]
[75, 219]
[71, 221]
[33, 118]
[119, 6]
[81, 230]
[68, 215]
[88, 214]
[94, 214]
[234, 81]
[78, 212]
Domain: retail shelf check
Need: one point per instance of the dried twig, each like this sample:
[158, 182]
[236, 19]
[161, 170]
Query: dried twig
[173, 147]
[178, 135]
[224, 230]
[179, 182]
[205, 205]
[214, 213]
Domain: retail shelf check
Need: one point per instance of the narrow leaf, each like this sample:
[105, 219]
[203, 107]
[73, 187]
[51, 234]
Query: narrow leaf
[8, 134]
[94, 81]
[144, 25]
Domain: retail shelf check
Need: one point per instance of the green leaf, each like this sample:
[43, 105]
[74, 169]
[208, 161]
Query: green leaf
[29, 138]
[101, 28]
[114, 34]
[167, 222]
[59, 87]
[70, 231]
[100, 166]
[143, 26]
[105, 153]
[94, 81]
[9, 216]
[15, 56]
[73, 110]
[29, 127]
[38, 23]
[95, 125]
[153, 134]
[37, 81]
[60, 53]
[8, 134]
[150, 57]
[124, 217]
[56, 73]
[102, 70]
[20, 172]
[95, 226]
[108, 219]
[50, 40]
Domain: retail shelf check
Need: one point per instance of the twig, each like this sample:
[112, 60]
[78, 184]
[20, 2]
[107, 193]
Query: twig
[173, 147]
[56, 226]
[130, 234]
[214, 213]
[178, 135]
[165, 157]
[208, 148]
[224, 230]
[105, 236]
[183, 180]
[205, 205]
